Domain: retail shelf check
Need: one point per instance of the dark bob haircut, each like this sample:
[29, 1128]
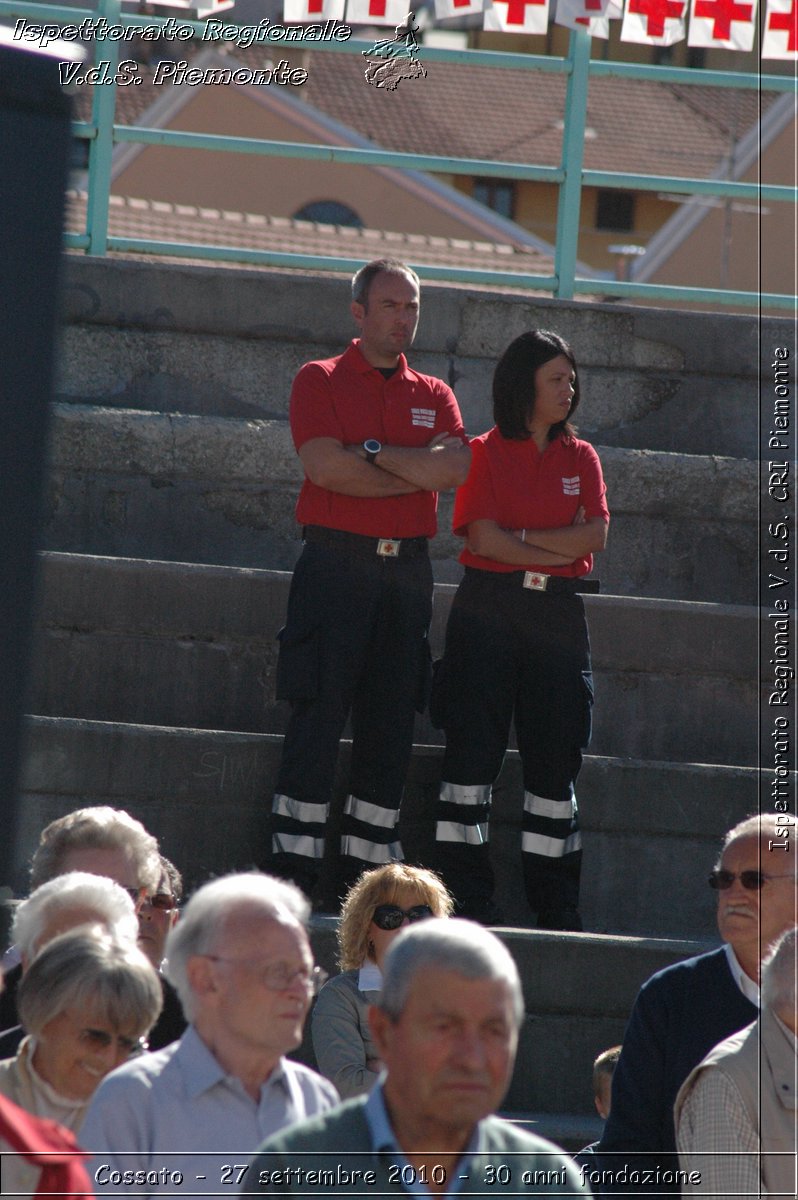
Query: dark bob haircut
[513, 383]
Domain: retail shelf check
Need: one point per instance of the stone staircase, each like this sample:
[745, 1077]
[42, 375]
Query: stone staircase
[169, 535]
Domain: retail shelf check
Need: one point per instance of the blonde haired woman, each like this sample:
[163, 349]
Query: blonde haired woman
[376, 907]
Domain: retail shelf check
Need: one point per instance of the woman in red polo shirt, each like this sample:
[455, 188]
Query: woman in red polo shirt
[532, 513]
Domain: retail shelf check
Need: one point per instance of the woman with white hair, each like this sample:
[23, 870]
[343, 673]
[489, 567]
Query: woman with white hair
[87, 1000]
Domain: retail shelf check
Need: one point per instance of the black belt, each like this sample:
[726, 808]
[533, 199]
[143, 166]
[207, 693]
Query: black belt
[538, 581]
[366, 547]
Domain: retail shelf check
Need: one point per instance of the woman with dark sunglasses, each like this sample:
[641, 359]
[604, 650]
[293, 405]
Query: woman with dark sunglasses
[377, 906]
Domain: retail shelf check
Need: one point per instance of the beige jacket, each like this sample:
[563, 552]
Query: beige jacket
[760, 1061]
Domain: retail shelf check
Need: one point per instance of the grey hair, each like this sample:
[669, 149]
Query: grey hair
[779, 968]
[99, 828]
[463, 947]
[363, 279]
[107, 901]
[201, 925]
[760, 825]
[87, 969]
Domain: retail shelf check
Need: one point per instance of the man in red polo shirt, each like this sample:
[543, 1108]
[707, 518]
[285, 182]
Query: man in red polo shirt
[377, 442]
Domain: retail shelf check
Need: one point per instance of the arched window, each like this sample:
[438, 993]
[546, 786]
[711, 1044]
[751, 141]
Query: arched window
[329, 212]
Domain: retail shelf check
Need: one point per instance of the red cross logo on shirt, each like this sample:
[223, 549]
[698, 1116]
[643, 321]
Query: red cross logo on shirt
[723, 12]
[657, 13]
[516, 10]
[788, 21]
[315, 6]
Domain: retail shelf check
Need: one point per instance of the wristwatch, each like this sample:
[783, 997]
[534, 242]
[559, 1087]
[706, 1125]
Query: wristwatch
[372, 448]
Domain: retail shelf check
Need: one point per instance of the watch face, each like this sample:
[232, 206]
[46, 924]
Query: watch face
[372, 446]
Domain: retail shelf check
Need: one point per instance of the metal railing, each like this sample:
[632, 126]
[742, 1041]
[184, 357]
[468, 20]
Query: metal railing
[103, 134]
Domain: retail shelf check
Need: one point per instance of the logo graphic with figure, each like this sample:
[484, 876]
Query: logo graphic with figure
[391, 60]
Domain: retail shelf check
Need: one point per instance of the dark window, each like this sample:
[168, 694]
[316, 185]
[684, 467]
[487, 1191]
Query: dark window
[329, 212]
[615, 210]
[498, 194]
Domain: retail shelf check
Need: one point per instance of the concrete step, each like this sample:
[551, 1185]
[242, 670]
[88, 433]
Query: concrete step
[211, 341]
[206, 795]
[223, 490]
[578, 992]
[188, 645]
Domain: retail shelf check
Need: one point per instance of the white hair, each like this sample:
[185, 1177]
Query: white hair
[105, 900]
[97, 828]
[460, 946]
[760, 825]
[201, 925]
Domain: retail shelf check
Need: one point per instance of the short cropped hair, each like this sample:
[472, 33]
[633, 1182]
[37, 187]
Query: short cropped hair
[87, 968]
[201, 925]
[363, 279]
[760, 825]
[460, 946]
[604, 1066]
[381, 886]
[171, 875]
[109, 903]
[100, 828]
[779, 968]
[513, 383]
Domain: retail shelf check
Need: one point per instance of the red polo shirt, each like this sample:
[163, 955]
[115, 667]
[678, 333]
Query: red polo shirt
[513, 484]
[347, 399]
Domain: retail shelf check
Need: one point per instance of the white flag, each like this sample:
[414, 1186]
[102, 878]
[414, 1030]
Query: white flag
[376, 12]
[517, 16]
[303, 12]
[729, 24]
[592, 15]
[456, 8]
[780, 39]
[654, 22]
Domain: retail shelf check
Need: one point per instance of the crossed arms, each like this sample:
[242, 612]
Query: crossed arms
[541, 547]
[439, 466]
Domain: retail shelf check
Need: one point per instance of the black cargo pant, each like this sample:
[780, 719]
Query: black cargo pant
[355, 642]
[512, 652]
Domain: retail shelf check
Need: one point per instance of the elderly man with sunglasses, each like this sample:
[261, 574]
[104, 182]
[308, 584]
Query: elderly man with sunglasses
[685, 1010]
[174, 1121]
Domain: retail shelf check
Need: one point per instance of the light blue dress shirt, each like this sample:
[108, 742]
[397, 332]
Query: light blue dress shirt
[383, 1138]
[177, 1111]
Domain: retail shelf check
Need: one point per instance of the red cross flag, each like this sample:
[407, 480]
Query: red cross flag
[517, 16]
[456, 8]
[592, 15]
[780, 38]
[376, 12]
[729, 24]
[304, 12]
[656, 22]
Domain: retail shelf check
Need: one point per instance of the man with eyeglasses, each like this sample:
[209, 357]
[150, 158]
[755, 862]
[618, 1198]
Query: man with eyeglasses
[446, 1028]
[241, 962]
[685, 1010]
[158, 911]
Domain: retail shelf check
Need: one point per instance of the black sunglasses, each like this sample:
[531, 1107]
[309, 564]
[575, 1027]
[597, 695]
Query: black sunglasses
[753, 881]
[162, 901]
[391, 916]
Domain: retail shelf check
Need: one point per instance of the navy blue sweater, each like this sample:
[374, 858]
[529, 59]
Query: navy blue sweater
[679, 1015]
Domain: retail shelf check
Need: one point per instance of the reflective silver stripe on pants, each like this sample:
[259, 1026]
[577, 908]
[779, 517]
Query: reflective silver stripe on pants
[371, 814]
[291, 843]
[470, 835]
[558, 810]
[373, 852]
[299, 810]
[465, 793]
[549, 847]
